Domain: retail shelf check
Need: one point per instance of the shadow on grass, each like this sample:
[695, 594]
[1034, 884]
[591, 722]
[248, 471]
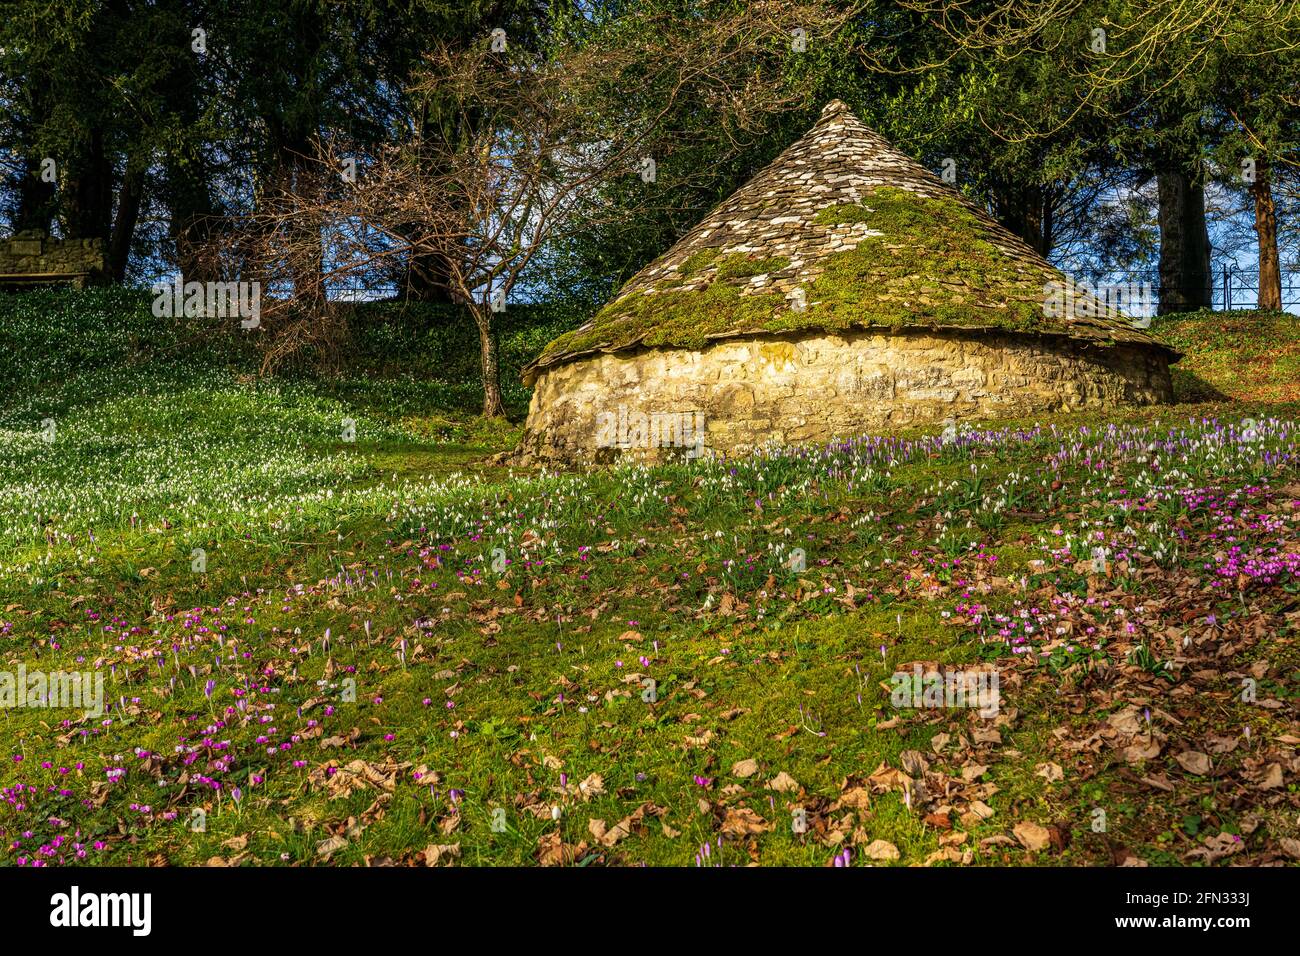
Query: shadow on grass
[1190, 388]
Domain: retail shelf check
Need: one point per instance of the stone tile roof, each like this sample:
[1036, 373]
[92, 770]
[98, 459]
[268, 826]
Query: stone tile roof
[841, 231]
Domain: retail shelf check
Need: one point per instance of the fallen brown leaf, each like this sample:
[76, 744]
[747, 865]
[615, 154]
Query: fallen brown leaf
[1032, 836]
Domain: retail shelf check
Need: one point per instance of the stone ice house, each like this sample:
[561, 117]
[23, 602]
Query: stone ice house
[845, 289]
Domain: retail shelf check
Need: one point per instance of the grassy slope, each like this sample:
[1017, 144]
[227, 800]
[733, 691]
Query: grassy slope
[1242, 355]
[354, 665]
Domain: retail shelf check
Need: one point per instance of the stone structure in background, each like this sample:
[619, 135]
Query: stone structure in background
[32, 258]
[844, 289]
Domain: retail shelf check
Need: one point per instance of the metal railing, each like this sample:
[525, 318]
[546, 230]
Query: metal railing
[1232, 287]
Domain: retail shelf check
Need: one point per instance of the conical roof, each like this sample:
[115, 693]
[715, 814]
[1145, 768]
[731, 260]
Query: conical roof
[841, 231]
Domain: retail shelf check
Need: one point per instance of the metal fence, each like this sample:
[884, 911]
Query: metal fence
[1232, 287]
[1241, 288]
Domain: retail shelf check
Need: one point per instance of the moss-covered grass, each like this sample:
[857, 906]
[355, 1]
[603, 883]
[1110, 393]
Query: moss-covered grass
[1246, 355]
[696, 262]
[742, 267]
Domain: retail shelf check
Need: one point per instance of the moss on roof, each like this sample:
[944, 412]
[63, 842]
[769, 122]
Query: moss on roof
[915, 256]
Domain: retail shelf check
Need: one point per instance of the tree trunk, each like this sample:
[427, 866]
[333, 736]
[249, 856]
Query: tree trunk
[428, 279]
[88, 193]
[37, 201]
[191, 213]
[1185, 281]
[292, 118]
[128, 213]
[1021, 208]
[1270, 275]
[493, 407]
[293, 170]
[190, 232]
[186, 188]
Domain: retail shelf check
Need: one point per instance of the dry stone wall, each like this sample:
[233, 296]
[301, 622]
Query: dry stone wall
[27, 254]
[739, 394]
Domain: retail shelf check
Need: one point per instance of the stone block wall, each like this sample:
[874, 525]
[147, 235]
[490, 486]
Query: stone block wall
[35, 254]
[813, 390]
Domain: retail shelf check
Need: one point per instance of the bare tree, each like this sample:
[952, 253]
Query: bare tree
[539, 139]
[289, 234]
